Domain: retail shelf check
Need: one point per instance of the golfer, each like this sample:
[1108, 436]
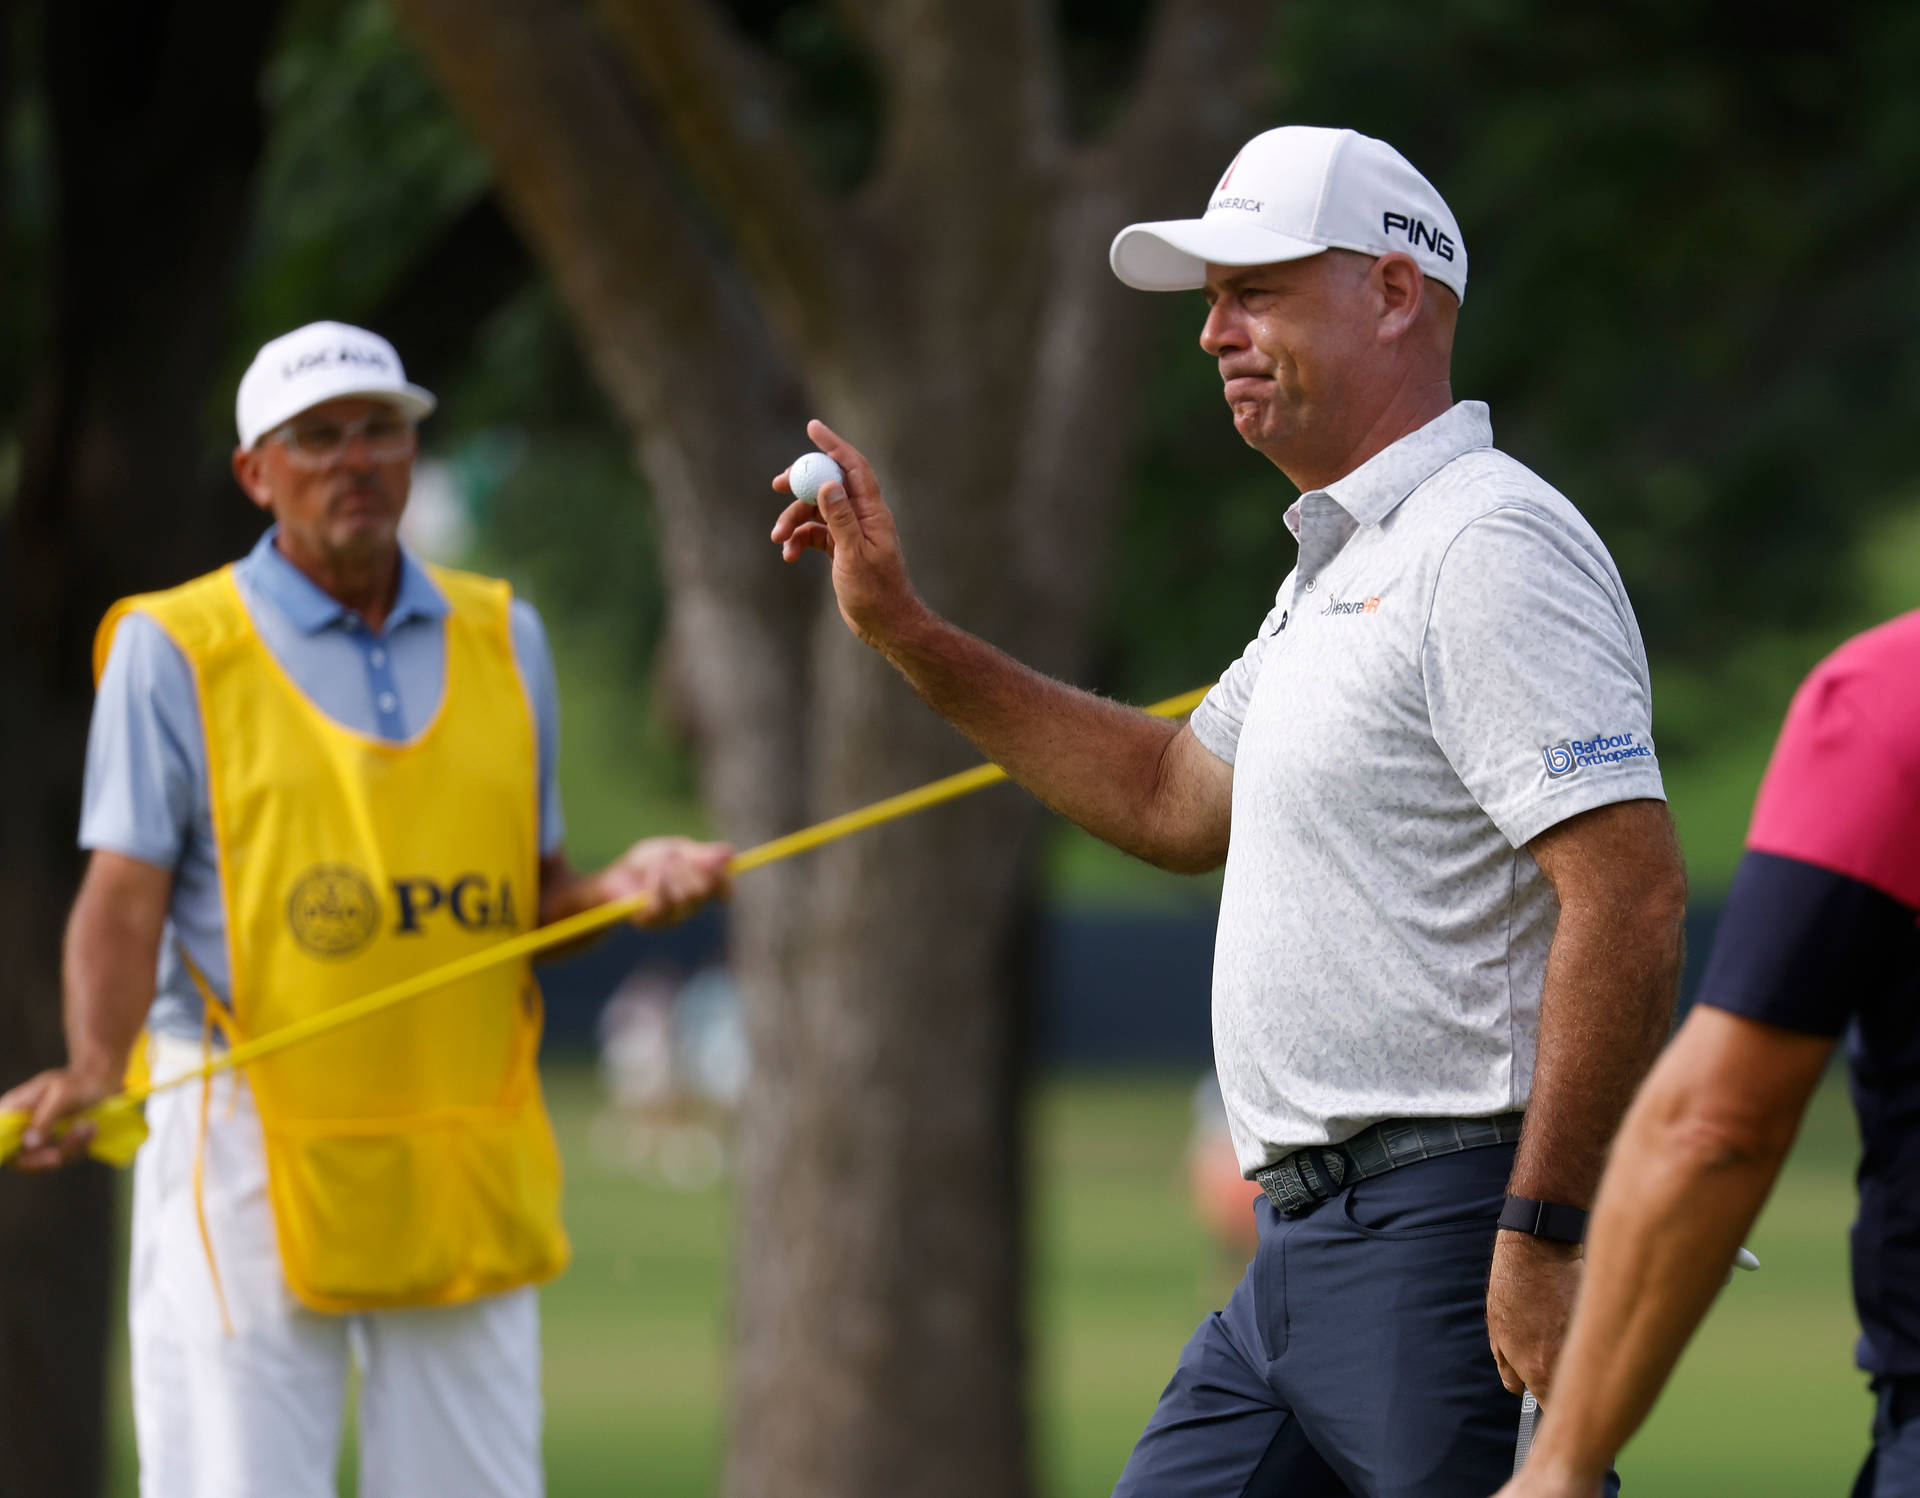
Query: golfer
[1453, 897]
[310, 774]
[1818, 939]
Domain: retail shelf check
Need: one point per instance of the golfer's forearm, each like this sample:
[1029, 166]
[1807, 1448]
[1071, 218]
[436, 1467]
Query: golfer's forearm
[1605, 1011]
[1100, 763]
[1672, 1210]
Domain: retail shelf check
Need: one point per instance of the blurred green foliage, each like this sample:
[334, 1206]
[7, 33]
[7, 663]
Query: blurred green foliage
[1694, 227]
[1693, 231]
[365, 166]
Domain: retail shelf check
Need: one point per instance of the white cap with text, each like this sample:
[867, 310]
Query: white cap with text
[1294, 192]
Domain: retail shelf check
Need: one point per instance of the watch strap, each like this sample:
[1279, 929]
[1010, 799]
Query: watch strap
[1550, 1220]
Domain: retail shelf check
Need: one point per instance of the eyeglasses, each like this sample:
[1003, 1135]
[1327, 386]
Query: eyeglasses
[319, 444]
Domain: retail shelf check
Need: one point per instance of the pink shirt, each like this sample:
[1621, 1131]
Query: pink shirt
[1819, 937]
[1843, 789]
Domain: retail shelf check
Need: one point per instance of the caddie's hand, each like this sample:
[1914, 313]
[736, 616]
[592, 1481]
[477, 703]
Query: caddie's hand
[1530, 1296]
[677, 874]
[49, 1098]
[854, 527]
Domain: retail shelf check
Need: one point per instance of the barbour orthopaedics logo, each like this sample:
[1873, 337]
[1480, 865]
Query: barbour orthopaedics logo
[1569, 755]
[1338, 605]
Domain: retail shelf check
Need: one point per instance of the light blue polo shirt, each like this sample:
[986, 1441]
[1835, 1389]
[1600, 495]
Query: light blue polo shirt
[146, 793]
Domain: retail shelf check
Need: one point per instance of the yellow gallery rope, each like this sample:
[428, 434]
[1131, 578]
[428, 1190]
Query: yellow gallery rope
[119, 1128]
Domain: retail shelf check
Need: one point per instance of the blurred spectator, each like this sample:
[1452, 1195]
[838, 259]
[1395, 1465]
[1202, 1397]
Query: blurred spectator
[1222, 1197]
[674, 1058]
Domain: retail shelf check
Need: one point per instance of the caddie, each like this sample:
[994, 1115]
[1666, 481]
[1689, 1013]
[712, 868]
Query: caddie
[1449, 935]
[310, 774]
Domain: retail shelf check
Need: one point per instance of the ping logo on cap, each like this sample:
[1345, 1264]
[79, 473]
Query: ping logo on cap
[1418, 233]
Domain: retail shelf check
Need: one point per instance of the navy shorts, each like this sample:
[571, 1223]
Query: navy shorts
[1352, 1361]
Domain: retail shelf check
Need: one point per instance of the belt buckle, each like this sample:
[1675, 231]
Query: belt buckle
[1304, 1179]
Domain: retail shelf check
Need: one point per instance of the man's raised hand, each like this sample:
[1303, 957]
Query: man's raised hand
[853, 526]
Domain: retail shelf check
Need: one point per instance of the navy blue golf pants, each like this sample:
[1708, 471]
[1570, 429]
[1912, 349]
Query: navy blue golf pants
[1893, 1466]
[1352, 1361]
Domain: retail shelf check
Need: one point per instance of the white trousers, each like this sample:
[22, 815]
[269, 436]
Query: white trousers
[449, 1396]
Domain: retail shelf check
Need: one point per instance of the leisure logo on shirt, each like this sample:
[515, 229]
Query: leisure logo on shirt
[1338, 605]
[1569, 755]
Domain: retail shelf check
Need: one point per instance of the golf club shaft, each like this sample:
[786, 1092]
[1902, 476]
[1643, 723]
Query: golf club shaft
[560, 933]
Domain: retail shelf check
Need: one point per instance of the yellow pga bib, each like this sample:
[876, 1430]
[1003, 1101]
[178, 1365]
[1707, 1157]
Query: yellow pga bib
[409, 1155]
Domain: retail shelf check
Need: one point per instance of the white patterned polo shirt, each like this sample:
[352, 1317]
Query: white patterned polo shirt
[1451, 669]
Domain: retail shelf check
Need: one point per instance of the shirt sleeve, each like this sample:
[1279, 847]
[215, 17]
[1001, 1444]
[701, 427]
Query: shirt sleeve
[535, 660]
[1842, 790]
[1803, 947]
[1222, 713]
[1536, 679]
[146, 752]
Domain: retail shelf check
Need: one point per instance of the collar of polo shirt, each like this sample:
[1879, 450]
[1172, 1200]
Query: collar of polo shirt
[310, 608]
[1374, 490]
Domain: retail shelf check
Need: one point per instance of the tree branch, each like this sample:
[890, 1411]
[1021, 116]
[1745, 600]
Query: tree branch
[861, 18]
[955, 219]
[1201, 83]
[675, 341]
[721, 105]
[972, 109]
[528, 81]
[1163, 146]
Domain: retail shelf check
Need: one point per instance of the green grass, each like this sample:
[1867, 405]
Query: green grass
[1766, 1404]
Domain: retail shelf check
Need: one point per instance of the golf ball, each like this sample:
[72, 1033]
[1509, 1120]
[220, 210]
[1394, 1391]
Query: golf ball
[809, 473]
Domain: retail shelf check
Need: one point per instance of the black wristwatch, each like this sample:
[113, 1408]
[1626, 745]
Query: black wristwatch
[1550, 1220]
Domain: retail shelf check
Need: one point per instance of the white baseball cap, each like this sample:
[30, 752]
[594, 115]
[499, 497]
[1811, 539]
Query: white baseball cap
[1294, 192]
[321, 362]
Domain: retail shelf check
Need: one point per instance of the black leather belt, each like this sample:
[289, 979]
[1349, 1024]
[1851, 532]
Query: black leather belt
[1299, 1182]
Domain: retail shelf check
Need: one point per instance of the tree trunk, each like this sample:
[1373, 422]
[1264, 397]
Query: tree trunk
[957, 320]
[155, 129]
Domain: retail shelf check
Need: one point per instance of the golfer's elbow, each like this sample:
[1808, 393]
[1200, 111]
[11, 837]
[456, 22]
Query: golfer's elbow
[1192, 856]
[1187, 807]
[1653, 911]
[1181, 837]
